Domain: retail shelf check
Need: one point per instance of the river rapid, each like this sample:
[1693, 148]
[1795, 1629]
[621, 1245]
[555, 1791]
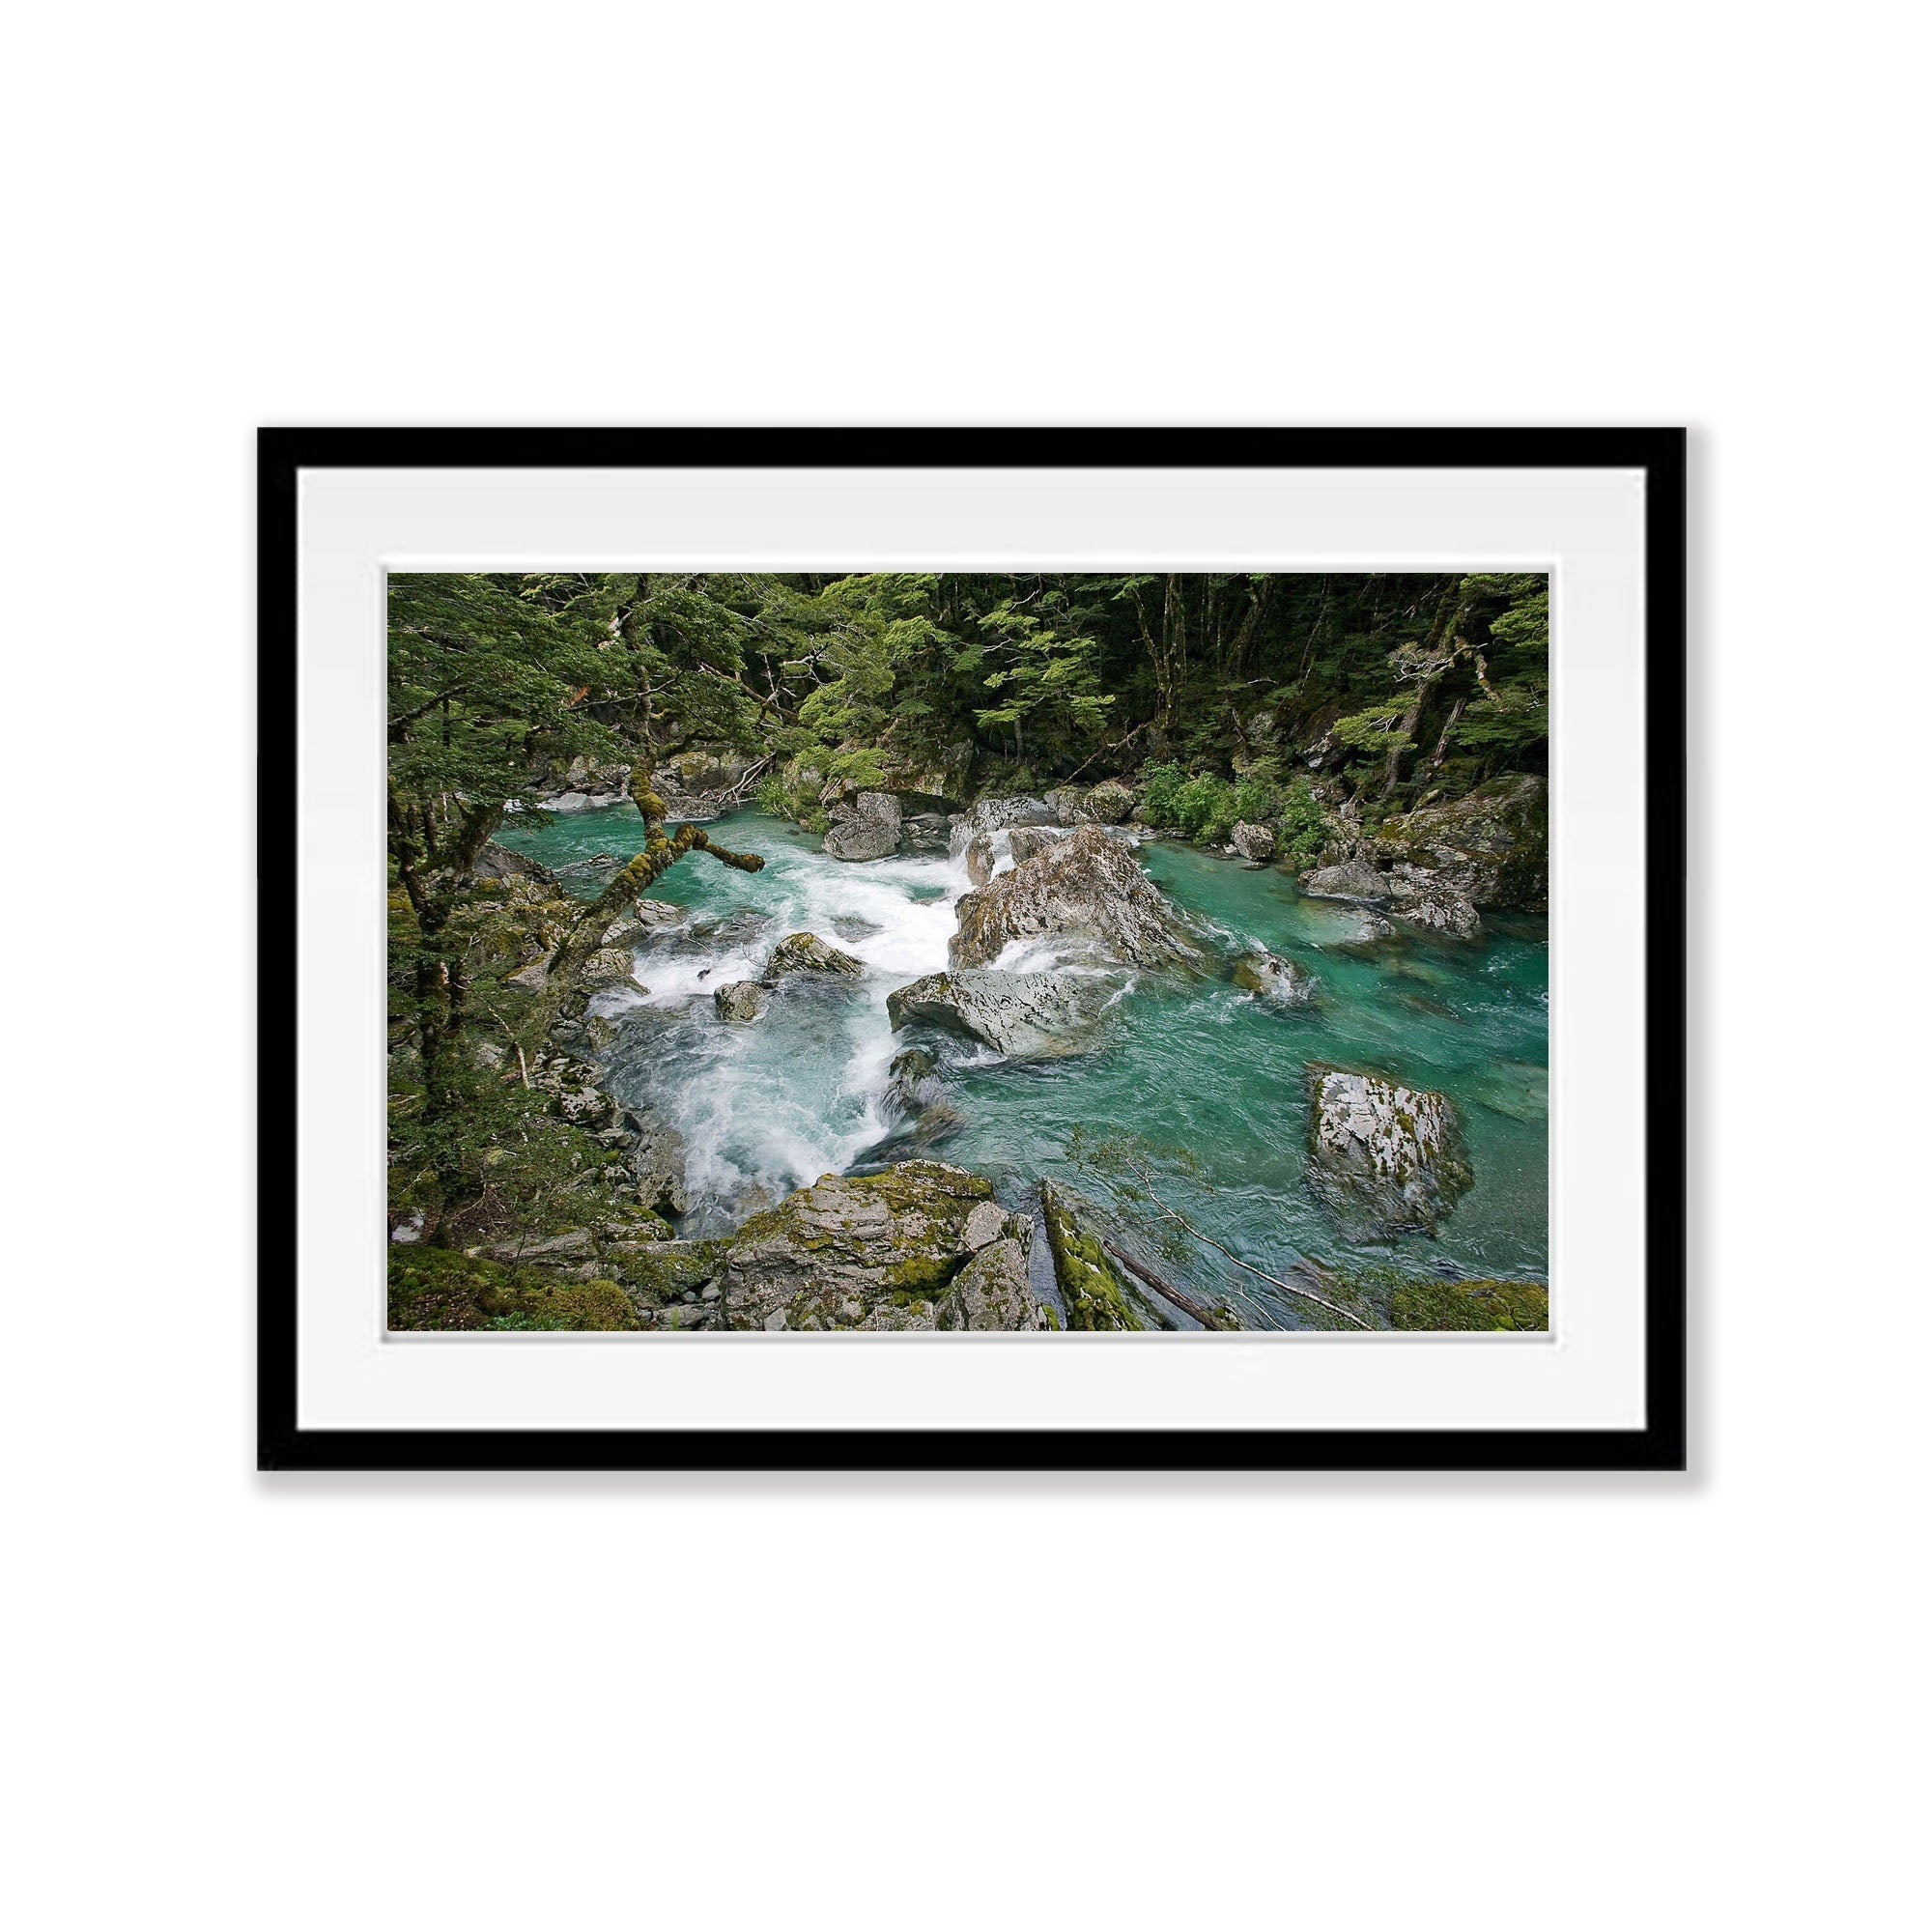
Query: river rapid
[1191, 1064]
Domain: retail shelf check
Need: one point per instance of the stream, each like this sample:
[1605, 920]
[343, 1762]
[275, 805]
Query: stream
[1195, 1065]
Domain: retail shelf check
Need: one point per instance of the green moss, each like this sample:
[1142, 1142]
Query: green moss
[1096, 1295]
[1427, 1304]
[666, 1275]
[438, 1288]
[921, 1276]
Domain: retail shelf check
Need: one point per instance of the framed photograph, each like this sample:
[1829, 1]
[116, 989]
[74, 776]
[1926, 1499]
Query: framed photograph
[971, 949]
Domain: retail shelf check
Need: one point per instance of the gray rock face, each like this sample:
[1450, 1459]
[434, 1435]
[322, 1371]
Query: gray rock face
[1491, 847]
[979, 858]
[1085, 887]
[740, 1003]
[1433, 903]
[1272, 978]
[657, 913]
[865, 827]
[1353, 879]
[999, 815]
[1254, 842]
[1029, 841]
[499, 862]
[993, 1291]
[1024, 1016]
[607, 967]
[806, 952]
[1384, 1157]
[1110, 802]
[1069, 804]
[986, 1224]
[656, 1162]
[926, 833]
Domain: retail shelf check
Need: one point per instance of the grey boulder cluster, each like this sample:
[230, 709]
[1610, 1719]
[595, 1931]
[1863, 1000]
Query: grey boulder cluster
[919, 1245]
[1441, 867]
[742, 1001]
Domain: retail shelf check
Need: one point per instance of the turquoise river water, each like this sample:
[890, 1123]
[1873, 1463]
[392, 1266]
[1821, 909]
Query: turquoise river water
[1195, 1065]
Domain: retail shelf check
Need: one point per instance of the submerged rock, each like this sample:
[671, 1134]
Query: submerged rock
[1024, 1016]
[1272, 978]
[1254, 842]
[806, 952]
[1086, 885]
[1383, 1157]
[739, 1003]
[864, 827]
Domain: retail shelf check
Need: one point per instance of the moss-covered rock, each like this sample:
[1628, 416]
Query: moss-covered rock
[1471, 1304]
[871, 1251]
[1096, 1295]
[1491, 848]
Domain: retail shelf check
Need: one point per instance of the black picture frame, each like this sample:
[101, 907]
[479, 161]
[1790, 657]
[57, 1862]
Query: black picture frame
[1660, 1444]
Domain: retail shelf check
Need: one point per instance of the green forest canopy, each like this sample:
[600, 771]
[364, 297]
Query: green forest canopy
[495, 679]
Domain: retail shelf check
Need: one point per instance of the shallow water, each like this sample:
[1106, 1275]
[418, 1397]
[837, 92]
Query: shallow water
[1197, 1064]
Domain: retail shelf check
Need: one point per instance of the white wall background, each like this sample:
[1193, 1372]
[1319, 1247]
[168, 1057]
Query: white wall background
[890, 1703]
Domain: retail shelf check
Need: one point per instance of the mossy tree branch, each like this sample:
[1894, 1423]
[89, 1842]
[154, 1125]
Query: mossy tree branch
[629, 883]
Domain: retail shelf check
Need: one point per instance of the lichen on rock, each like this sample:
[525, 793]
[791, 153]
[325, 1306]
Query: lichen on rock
[1388, 1157]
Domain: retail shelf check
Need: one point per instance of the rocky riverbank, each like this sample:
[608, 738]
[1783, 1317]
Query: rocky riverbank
[1058, 895]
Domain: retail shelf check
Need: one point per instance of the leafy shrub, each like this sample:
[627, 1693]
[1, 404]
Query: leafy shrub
[1160, 785]
[1304, 826]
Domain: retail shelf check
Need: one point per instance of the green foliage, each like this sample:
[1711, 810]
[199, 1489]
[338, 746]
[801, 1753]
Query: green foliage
[438, 1288]
[1305, 826]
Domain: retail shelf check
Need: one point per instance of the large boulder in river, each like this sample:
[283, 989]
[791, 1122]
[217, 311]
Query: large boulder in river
[1352, 879]
[1254, 842]
[864, 827]
[1386, 1159]
[1111, 803]
[1269, 977]
[1433, 903]
[740, 1003]
[806, 952]
[1024, 1016]
[1083, 887]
